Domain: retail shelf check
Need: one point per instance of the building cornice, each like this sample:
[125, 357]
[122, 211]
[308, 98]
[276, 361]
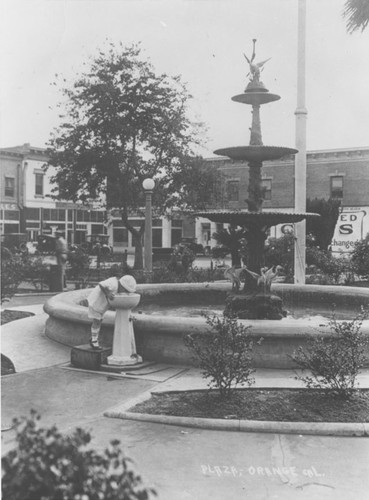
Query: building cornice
[25, 152]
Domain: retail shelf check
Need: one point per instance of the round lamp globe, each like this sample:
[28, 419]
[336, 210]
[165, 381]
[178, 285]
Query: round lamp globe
[148, 184]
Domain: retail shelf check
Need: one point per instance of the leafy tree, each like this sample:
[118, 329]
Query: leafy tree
[356, 13]
[199, 186]
[322, 228]
[123, 123]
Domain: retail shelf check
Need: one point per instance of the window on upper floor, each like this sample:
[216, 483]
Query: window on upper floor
[233, 188]
[266, 184]
[337, 187]
[9, 187]
[39, 184]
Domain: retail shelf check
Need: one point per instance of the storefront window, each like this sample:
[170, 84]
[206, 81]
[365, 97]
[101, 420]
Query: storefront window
[9, 187]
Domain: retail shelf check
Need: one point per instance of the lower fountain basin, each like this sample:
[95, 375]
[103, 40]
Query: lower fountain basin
[159, 337]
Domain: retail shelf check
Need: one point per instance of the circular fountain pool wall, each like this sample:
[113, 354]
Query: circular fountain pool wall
[167, 312]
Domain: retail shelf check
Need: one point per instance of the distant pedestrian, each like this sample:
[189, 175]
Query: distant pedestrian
[61, 249]
[98, 302]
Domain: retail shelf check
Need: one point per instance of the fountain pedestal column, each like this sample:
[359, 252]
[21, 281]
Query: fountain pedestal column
[124, 344]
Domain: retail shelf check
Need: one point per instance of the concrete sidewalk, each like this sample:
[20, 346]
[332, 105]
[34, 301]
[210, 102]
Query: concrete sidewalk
[24, 342]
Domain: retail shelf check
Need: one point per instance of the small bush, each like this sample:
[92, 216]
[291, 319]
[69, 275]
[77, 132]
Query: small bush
[219, 252]
[334, 362]
[328, 269]
[335, 269]
[11, 274]
[182, 258]
[78, 265]
[35, 271]
[280, 252]
[360, 257]
[49, 466]
[224, 354]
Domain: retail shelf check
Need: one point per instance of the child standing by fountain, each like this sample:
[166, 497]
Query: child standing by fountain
[98, 302]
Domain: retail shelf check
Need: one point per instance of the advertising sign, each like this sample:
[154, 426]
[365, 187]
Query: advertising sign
[352, 226]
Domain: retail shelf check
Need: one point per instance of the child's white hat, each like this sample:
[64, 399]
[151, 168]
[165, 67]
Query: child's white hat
[128, 283]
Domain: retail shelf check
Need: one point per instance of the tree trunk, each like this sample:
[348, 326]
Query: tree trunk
[137, 243]
[137, 240]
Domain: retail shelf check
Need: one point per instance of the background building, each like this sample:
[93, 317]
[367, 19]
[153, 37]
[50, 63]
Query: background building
[27, 205]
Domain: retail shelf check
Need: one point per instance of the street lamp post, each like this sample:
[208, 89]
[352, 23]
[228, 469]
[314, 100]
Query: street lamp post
[148, 185]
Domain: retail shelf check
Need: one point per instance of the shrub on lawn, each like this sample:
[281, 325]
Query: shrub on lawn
[35, 271]
[280, 252]
[11, 274]
[224, 353]
[78, 265]
[334, 362]
[330, 269]
[47, 465]
[181, 259]
[360, 257]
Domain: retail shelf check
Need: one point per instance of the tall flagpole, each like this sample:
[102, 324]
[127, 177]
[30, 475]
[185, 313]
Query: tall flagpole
[300, 158]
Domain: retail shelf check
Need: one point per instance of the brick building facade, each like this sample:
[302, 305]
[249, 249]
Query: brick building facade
[340, 173]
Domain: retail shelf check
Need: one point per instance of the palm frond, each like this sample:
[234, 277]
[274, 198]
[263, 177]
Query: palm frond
[356, 13]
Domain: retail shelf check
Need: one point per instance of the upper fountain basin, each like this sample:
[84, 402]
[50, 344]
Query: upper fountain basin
[256, 98]
[256, 153]
[125, 300]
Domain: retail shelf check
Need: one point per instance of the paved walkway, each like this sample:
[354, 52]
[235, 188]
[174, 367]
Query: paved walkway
[181, 462]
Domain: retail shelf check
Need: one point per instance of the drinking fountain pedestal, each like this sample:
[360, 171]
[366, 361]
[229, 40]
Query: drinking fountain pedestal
[124, 345]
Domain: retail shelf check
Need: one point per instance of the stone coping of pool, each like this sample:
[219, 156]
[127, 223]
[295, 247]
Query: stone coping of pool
[122, 411]
[160, 337]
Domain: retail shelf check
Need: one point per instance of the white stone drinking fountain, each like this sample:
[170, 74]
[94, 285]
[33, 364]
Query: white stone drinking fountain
[124, 344]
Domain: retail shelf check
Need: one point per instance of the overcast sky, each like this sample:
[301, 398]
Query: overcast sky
[204, 42]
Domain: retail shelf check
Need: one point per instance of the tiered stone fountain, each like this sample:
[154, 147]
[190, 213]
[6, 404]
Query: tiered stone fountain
[256, 300]
[160, 336]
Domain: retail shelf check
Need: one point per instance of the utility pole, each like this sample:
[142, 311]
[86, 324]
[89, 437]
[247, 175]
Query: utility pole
[300, 158]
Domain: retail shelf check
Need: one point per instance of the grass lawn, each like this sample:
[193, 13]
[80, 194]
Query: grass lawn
[282, 405]
[7, 315]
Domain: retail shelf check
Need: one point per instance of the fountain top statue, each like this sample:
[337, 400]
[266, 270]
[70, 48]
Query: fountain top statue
[254, 73]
